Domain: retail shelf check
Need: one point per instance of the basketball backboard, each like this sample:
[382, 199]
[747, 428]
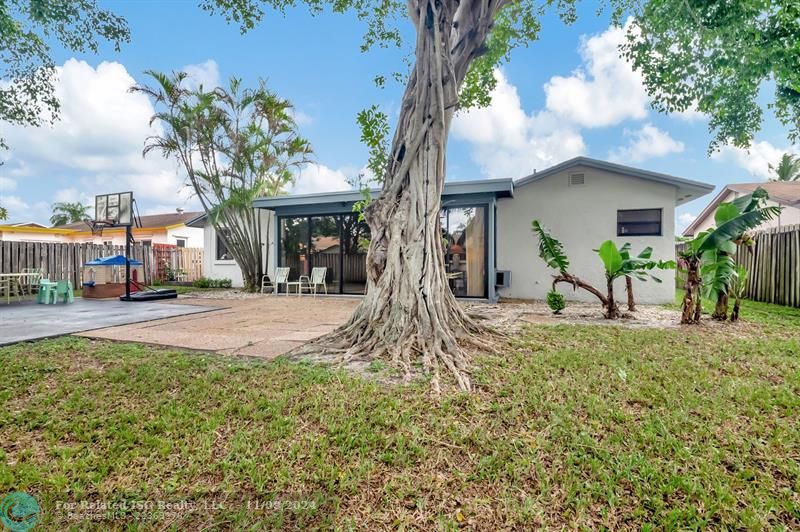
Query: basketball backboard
[115, 209]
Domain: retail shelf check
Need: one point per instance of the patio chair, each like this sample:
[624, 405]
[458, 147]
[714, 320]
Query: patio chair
[7, 286]
[30, 280]
[281, 277]
[64, 291]
[317, 278]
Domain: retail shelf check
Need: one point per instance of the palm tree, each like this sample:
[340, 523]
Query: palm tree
[788, 168]
[65, 212]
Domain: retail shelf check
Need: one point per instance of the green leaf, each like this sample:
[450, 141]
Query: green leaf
[734, 228]
[611, 257]
[725, 212]
[550, 250]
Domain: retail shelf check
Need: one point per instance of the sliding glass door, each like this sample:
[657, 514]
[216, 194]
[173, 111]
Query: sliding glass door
[464, 230]
[339, 243]
[325, 249]
[355, 241]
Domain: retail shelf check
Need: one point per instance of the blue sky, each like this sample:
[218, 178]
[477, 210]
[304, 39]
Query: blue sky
[566, 94]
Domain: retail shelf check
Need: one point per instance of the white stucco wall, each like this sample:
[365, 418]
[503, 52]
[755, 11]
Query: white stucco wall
[22, 236]
[228, 269]
[582, 217]
[789, 215]
[192, 235]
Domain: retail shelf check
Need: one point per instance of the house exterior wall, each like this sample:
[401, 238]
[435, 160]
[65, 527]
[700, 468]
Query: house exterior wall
[193, 236]
[582, 217]
[228, 269]
[789, 215]
[25, 236]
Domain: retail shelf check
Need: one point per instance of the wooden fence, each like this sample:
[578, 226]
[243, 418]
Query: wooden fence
[355, 266]
[773, 266]
[65, 260]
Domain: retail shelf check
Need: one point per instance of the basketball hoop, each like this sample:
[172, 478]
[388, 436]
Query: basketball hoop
[97, 226]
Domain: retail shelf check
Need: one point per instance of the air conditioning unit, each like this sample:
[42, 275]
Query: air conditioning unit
[502, 278]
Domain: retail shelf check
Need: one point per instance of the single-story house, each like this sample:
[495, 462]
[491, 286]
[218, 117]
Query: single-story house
[491, 250]
[781, 193]
[169, 228]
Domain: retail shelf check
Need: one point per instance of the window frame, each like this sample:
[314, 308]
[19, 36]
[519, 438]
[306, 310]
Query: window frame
[217, 243]
[660, 222]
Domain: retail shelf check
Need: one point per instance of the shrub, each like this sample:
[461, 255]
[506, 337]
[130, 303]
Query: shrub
[205, 282]
[555, 301]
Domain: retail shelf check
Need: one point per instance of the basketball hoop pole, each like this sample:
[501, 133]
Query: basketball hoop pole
[127, 263]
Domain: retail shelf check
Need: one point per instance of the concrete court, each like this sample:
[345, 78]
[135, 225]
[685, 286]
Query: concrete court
[261, 325]
[26, 320]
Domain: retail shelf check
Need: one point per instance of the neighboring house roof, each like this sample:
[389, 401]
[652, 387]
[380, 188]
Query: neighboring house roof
[786, 193]
[27, 224]
[153, 221]
[688, 189]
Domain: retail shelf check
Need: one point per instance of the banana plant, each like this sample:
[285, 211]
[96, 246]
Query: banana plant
[619, 263]
[642, 260]
[738, 290]
[551, 251]
[708, 257]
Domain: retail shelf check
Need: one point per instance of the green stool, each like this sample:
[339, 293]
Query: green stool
[64, 291]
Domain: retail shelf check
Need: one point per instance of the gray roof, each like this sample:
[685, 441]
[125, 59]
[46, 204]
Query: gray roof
[688, 189]
[501, 188]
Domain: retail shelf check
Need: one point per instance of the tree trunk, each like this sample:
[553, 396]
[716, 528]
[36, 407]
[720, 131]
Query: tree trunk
[409, 310]
[612, 310]
[578, 283]
[692, 303]
[629, 290]
[735, 311]
[721, 309]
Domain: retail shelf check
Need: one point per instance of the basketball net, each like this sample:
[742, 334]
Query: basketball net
[97, 226]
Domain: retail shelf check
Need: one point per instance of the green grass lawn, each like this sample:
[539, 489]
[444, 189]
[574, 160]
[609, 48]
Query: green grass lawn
[572, 427]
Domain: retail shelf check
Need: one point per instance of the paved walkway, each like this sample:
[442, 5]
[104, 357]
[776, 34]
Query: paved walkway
[263, 326]
[24, 321]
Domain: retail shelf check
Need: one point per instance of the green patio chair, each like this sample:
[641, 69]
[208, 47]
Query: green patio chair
[64, 291]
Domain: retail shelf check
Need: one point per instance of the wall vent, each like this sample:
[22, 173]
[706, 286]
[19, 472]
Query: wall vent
[576, 179]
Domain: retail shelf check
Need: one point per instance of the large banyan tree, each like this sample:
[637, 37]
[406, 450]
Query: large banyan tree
[715, 52]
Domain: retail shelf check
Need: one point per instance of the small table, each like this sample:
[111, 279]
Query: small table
[44, 288]
[299, 284]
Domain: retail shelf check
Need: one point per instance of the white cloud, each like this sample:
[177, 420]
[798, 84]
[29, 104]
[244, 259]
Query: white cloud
[315, 178]
[605, 90]
[7, 184]
[99, 139]
[205, 74]
[21, 211]
[756, 159]
[508, 142]
[683, 221]
[645, 143]
[301, 118]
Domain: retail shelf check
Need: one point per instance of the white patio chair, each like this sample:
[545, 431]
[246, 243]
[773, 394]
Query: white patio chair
[281, 277]
[317, 278]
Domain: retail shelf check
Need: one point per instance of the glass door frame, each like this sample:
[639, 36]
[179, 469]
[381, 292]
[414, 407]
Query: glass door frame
[446, 205]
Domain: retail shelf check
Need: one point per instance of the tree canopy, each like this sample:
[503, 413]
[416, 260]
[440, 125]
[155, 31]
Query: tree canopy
[68, 213]
[27, 30]
[720, 58]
